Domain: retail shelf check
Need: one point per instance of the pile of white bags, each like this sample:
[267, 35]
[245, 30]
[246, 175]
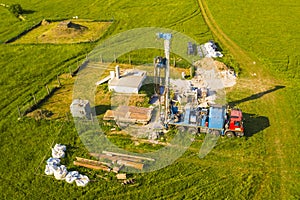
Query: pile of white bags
[60, 172]
[58, 151]
[82, 180]
[52, 165]
[79, 179]
[72, 176]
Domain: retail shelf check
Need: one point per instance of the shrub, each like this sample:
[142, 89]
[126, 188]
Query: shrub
[16, 9]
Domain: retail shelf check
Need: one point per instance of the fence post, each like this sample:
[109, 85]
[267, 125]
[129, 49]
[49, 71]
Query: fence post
[47, 88]
[129, 60]
[34, 99]
[59, 83]
[92, 117]
[19, 111]
[67, 116]
[174, 61]
[70, 71]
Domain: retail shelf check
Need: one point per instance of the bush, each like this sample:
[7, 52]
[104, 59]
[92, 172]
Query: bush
[16, 9]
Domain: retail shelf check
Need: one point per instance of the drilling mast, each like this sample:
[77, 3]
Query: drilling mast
[167, 41]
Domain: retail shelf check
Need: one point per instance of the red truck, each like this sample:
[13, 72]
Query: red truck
[234, 125]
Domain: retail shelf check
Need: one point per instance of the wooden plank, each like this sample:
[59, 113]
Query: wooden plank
[131, 164]
[93, 162]
[115, 158]
[128, 156]
[104, 168]
[103, 156]
[121, 176]
[129, 114]
[116, 169]
[109, 115]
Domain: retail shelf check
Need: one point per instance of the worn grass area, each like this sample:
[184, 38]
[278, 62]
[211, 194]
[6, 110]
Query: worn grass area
[55, 32]
[59, 102]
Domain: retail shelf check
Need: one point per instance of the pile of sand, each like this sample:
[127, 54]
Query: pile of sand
[211, 71]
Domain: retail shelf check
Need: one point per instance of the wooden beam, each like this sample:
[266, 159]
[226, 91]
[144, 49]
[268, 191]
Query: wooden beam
[121, 176]
[128, 156]
[93, 162]
[114, 158]
[104, 168]
[131, 164]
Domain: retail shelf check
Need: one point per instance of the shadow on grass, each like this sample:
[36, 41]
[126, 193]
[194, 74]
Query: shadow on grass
[254, 124]
[218, 47]
[101, 109]
[147, 89]
[28, 12]
[40, 102]
[255, 96]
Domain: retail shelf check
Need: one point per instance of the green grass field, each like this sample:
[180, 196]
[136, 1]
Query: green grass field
[262, 165]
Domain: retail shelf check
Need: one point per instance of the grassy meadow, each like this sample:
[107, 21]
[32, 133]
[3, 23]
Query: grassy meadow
[262, 165]
[264, 29]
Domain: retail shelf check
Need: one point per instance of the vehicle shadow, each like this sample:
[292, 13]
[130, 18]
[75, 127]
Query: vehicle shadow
[254, 124]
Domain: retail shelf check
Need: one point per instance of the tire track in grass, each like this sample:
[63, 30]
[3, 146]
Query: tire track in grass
[195, 13]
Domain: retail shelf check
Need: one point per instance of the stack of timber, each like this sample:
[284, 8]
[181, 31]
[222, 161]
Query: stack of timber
[130, 114]
[92, 164]
[123, 159]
